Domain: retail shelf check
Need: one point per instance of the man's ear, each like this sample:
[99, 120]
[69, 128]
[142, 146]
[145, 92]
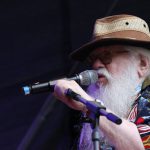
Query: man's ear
[143, 66]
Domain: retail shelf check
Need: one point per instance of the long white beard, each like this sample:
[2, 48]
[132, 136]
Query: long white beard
[119, 93]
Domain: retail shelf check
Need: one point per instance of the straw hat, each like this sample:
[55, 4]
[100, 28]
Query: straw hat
[118, 29]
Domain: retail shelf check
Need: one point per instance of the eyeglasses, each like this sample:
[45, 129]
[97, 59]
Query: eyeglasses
[104, 56]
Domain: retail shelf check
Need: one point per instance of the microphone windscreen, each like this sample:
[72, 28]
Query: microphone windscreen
[88, 77]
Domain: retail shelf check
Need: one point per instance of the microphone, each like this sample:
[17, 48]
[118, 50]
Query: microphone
[84, 78]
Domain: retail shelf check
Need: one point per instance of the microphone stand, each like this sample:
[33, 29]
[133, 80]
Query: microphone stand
[95, 133]
[96, 109]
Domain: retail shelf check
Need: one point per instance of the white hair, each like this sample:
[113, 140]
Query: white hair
[136, 51]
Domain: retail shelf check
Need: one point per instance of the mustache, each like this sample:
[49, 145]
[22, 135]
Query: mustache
[104, 72]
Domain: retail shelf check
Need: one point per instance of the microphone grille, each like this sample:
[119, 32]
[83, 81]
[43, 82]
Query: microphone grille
[88, 77]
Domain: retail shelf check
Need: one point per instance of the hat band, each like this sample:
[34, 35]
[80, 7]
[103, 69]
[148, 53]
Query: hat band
[129, 35]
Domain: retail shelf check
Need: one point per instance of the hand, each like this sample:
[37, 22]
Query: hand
[62, 86]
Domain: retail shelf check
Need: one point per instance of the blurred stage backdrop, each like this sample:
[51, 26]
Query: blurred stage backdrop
[35, 40]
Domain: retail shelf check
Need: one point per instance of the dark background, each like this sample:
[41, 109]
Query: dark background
[35, 40]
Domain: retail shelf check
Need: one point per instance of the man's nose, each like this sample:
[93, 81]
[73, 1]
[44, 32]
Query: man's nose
[97, 64]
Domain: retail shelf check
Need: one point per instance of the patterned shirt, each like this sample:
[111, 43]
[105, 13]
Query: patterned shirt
[140, 115]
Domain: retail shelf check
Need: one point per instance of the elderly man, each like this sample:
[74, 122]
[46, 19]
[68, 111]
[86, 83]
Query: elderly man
[119, 51]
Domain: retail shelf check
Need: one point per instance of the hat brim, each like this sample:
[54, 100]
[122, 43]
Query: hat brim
[82, 53]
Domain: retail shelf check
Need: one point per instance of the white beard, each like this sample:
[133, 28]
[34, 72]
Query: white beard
[119, 93]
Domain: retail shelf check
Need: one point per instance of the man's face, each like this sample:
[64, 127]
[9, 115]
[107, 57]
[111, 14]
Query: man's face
[118, 78]
[112, 58]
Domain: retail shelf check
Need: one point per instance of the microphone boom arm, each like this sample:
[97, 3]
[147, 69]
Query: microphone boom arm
[94, 108]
